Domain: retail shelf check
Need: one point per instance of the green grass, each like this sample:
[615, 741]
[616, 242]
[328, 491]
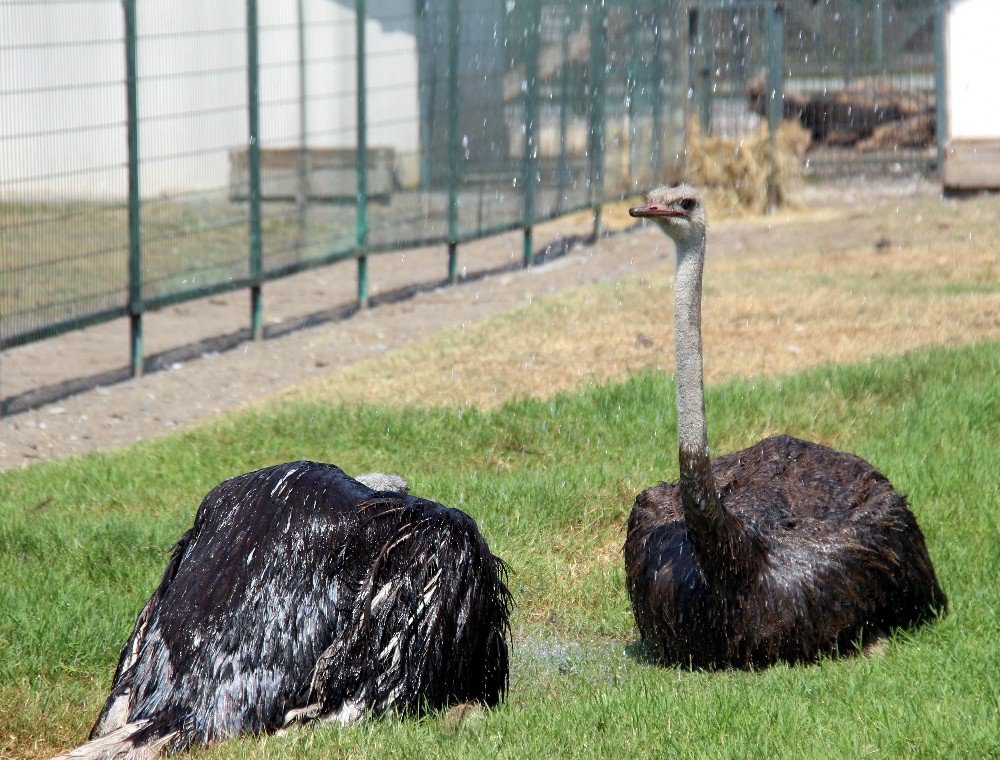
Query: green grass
[82, 544]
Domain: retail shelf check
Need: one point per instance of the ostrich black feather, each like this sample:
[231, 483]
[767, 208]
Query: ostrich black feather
[819, 554]
[787, 550]
[302, 594]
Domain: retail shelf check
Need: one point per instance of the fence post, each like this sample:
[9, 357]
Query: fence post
[854, 10]
[631, 88]
[362, 118]
[775, 97]
[704, 78]
[691, 62]
[940, 84]
[303, 190]
[427, 28]
[454, 23]
[561, 169]
[598, 60]
[134, 218]
[878, 31]
[657, 103]
[253, 155]
[529, 164]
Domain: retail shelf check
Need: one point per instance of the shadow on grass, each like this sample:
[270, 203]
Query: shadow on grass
[642, 653]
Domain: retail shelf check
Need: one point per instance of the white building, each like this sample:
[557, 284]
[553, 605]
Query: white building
[63, 100]
[972, 55]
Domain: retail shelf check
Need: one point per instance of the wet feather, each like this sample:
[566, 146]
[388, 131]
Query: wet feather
[301, 594]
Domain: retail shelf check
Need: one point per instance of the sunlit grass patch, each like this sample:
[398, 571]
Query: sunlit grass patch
[83, 542]
[793, 306]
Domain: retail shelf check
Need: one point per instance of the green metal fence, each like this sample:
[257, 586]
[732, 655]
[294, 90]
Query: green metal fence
[154, 151]
[859, 76]
[864, 75]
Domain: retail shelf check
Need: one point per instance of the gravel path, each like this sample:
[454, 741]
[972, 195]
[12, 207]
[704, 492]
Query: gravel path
[72, 394]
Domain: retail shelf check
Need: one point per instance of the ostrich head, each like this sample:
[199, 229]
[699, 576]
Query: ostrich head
[380, 481]
[679, 211]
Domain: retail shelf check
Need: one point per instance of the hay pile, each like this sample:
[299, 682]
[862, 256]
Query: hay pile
[733, 173]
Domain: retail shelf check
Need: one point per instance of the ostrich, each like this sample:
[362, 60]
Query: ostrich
[303, 594]
[784, 551]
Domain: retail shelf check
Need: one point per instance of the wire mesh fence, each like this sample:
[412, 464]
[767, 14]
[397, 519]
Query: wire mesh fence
[198, 148]
[153, 151]
[63, 223]
[191, 92]
[860, 78]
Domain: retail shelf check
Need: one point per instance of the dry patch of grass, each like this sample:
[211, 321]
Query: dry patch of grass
[734, 173]
[766, 311]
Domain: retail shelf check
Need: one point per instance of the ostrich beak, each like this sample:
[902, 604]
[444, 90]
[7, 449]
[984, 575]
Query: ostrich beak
[653, 210]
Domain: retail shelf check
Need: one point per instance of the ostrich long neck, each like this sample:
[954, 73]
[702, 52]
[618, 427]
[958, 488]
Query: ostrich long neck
[719, 539]
[691, 429]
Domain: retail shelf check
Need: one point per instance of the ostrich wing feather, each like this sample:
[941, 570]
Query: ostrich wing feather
[298, 585]
[429, 624]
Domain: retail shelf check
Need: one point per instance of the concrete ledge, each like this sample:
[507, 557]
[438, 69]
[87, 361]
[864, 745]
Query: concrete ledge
[972, 165]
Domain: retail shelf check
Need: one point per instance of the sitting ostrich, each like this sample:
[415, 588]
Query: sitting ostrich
[303, 594]
[787, 550]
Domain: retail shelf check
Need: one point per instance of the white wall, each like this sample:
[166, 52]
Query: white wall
[62, 108]
[974, 69]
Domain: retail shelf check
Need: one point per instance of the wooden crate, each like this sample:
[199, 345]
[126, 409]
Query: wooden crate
[325, 174]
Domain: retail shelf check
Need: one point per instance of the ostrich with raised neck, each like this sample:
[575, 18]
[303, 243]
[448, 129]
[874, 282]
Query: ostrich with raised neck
[784, 551]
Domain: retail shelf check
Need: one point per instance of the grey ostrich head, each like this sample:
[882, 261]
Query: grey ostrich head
[380, 481]
[678, 209]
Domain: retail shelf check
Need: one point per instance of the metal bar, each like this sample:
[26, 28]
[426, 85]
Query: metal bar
[362, 282]
[691, 63]
[454, 27]
[362, 140]
[63, 326]
[303, 190]
[598, 58]
[703, 89]
[856, 53]
[561, 167]
[775, 75]
[529, 163]
[152, 303]
[135, 306]
[656, 74]
[253, 115]
[941, 82]
[631, 87]
[427, 89]
[452, 262]
[729, 5]
[878, 30]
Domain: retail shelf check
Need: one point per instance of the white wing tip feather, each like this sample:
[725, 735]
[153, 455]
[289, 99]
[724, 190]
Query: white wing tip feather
[117, 745]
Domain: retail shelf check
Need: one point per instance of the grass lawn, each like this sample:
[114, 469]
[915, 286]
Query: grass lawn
[810, 289]
[83, 542]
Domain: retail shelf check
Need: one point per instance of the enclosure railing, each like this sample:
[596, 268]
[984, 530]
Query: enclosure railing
[276, 130]
[862, 78]
[201, 148]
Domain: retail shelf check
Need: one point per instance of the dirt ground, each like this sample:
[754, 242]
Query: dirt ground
[72, 394]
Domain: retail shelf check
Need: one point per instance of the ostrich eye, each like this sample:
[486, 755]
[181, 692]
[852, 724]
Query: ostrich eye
[688, 204]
